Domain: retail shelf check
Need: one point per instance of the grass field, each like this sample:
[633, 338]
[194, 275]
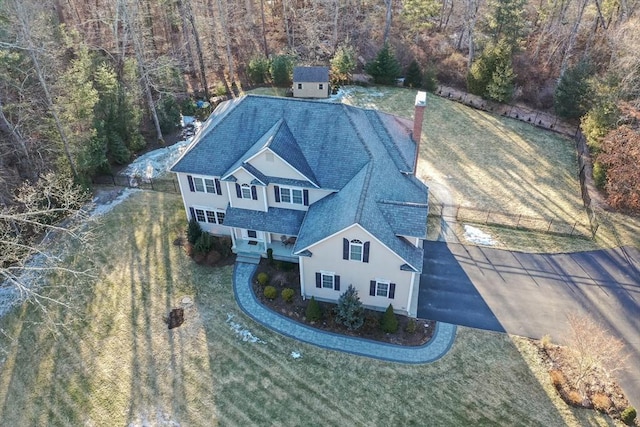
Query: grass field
[119, 365]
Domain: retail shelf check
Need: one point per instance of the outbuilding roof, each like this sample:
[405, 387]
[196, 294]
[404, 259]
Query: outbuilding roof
[310, 74]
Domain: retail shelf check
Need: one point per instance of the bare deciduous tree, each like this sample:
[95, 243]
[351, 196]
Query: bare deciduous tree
[591, 346]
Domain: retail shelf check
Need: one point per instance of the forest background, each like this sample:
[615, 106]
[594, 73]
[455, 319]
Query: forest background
[86, 85]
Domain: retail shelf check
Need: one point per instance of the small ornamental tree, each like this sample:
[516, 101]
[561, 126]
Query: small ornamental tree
[313, 313]
[389, 322]
[413, 76]
[385, 68]
[193, 231]
[350, 312]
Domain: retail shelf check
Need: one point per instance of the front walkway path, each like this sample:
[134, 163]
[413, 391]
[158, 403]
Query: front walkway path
[437, 347]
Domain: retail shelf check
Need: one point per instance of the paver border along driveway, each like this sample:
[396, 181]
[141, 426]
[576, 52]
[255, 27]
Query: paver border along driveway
[531, 294]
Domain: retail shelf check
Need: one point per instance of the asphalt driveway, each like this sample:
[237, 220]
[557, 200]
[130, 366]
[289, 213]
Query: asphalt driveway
[531, 294]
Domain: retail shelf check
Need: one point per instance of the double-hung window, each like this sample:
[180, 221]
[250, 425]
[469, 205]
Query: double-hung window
[291, 195]
[382, 288]
[204, 185]
[355, 250]
[327, 280]
[206, 216]
[294, 196]
[246, 191]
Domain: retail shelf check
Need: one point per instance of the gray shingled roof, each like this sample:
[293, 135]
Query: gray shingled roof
[275, 220]
[310, 74]
[359, 152]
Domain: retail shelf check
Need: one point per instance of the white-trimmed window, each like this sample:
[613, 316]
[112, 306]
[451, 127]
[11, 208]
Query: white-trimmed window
[299, 85]
[291, 195]
[207, 216]
[204, 185]
[355, 250]
[382, 288]
[246, 191]
[327, 280]
[320, 86]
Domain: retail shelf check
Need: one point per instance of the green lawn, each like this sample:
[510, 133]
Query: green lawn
[119, 365]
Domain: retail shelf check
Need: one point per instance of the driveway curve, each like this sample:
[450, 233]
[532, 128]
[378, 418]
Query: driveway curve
[532, 294]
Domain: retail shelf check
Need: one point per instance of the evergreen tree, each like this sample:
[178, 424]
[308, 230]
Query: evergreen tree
[413, 76]
[491, 75]
[506, 21]
[313, 313]
[573, 93]
[389, 322]
[385, 69]
[343, 63]
[258, 69]
[350, 312]
[281, 70]
[500, 88]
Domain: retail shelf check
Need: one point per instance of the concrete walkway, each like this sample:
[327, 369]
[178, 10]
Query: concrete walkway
[437, 347]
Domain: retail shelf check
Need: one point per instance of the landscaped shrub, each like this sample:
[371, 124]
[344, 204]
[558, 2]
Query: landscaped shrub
[263, 278]
[204, 243]
[270, 292]
[411, 327]
[372, 321]
[601, 402]
[193, 231]
[557, 379]
[389, 321]
[574, 397]
[429, 79]
[628, 415]
[222, 245]
[287, 294]
[313, 313]
[270, 256]
[599, 175]
[350, 312]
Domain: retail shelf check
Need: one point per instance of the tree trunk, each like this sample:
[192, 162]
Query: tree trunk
[387, 20]
[225, 33]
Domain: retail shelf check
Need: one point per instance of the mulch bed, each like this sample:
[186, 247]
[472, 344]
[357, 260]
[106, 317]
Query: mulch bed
[286, 275]
[597, 391]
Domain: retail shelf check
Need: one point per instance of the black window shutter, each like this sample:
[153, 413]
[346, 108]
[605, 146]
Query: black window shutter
[254, 192]
[392, 290]
[193, 213]
[305, 195]
[372, 288]
[345, 249]
[336, 283]
[365, 252]
[238, 191]
[190, 179]
[318, 280]
[276, 193]
[218, 189]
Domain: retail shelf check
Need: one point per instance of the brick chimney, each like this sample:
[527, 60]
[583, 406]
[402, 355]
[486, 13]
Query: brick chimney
[421, 104]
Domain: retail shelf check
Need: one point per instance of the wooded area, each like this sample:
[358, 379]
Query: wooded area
[86, 85]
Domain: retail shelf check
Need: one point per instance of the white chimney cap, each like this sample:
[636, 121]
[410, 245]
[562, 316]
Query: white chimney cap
[421, 99]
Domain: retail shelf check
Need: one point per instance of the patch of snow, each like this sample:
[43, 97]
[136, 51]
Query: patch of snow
[156, 162]
[242, 332]
[477, 236]
[103, 208]
[296, 355]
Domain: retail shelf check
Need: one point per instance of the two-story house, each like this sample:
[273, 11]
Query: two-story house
[326, 185]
